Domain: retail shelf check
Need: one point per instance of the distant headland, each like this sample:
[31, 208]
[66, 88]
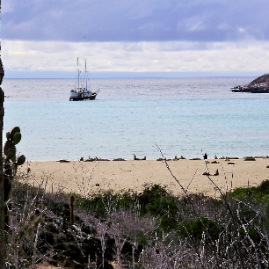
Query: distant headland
[258, 85]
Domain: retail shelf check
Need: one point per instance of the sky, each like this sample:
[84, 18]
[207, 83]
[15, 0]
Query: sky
[43, 38]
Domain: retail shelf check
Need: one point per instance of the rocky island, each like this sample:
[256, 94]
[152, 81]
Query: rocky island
[258, 85]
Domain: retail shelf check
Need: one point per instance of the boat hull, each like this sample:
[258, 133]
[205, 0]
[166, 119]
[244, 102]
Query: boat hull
[82, 98]
[74, 96]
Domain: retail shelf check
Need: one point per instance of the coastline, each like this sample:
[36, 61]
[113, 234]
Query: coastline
[88, 178]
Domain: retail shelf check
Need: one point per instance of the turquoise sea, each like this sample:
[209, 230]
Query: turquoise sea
[183, 116]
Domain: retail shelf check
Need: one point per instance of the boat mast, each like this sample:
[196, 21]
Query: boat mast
[78, 73]
[86, 74]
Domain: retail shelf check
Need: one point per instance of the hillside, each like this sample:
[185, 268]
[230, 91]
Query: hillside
[258, 85]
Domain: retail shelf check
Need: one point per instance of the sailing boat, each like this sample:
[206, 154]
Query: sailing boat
[82, 92]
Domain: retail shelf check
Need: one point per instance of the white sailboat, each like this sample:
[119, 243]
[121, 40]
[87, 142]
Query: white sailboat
[82, 92]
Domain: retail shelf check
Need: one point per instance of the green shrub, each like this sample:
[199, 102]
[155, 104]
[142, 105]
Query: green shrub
[264, 188]
[142, 238]
[157, 201]
[252, 192]
[195, 228]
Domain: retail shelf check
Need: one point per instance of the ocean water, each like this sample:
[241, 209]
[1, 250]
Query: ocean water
[183, 116]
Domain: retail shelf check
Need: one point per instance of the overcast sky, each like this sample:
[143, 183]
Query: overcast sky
[223, 36]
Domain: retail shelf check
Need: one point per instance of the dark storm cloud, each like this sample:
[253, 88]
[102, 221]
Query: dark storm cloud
[135, 20]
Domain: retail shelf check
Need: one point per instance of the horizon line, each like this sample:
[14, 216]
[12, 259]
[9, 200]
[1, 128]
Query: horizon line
[114, 74]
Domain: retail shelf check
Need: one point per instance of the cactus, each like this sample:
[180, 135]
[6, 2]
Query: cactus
[71, 205]
[11, 163]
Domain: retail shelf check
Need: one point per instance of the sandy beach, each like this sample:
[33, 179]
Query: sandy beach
[88, 178]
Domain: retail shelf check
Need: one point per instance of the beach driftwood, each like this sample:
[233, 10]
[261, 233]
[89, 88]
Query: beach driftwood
[258, 85]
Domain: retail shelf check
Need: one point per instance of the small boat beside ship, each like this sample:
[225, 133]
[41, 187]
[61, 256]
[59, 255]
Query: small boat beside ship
[82, 90]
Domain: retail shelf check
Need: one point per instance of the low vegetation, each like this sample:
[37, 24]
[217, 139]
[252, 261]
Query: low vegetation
[152, 229]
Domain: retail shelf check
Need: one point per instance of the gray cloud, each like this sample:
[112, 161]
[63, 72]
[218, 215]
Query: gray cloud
[135, 20]
[136, 56]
